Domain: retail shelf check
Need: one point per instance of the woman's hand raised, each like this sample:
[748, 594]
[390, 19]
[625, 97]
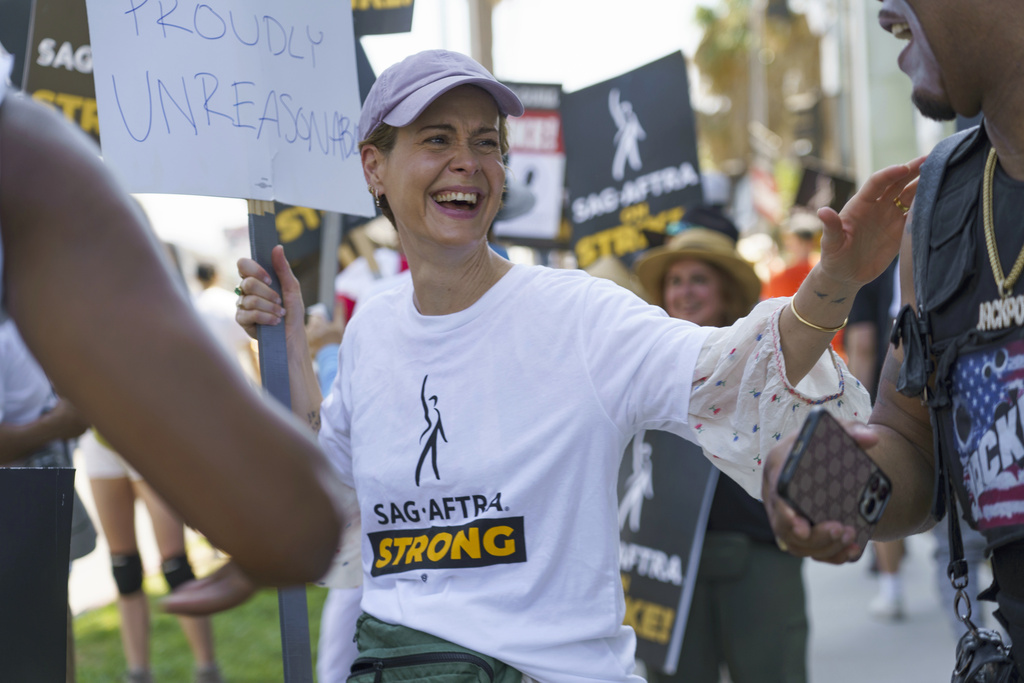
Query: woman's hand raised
[860, 242]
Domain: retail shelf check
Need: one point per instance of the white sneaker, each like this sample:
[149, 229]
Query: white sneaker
[885, 607]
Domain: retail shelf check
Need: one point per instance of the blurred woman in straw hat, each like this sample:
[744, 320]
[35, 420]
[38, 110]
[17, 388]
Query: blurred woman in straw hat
[748, 609]
[703, 253]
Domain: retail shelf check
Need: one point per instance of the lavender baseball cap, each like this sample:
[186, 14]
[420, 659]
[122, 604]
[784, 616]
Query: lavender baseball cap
[405, 89]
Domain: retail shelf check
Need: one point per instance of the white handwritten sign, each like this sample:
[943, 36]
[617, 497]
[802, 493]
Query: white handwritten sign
[255, 99]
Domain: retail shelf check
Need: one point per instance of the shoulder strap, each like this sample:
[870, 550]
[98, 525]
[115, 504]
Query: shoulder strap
[928, 186]
[916, 330]
[910, 330]
[956, 571]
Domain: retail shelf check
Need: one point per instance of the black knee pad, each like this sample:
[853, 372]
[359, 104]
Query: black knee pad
[177, 571]
[127, 573]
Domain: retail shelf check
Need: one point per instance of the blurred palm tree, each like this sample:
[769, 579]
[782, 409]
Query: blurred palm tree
[787, 55]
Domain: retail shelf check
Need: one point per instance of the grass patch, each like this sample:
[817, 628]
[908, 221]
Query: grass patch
[247, 640]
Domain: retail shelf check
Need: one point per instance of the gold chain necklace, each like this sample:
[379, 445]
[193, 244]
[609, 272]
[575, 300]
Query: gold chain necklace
[1004, 285]
[1006, 311]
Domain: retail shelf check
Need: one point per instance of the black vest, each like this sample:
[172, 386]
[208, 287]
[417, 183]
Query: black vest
[970, 337]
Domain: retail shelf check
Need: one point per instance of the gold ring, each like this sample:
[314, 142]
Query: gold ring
[238, 290]
[782, 544]
[900, 206]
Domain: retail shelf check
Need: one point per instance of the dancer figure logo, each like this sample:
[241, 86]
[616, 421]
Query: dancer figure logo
[434, 428]
[639, 486]
[627, 137]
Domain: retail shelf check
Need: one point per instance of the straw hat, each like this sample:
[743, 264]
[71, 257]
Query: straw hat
[612, 268]
[702, 244]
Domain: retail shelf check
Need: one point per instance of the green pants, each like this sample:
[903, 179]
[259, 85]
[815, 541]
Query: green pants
[389, 653]
[748, 614]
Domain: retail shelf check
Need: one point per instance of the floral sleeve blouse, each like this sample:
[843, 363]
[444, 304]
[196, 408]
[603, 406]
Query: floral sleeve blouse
[742, 404]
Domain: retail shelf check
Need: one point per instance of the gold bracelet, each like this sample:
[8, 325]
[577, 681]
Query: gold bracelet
[799, 317]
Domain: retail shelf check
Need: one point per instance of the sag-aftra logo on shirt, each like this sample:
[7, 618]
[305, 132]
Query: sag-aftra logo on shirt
[434, 427]
[479, 542]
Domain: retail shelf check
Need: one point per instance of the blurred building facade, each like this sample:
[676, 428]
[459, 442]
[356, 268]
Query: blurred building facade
[786, 86]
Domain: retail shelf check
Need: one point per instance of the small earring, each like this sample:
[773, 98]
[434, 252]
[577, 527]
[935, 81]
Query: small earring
[376, 198]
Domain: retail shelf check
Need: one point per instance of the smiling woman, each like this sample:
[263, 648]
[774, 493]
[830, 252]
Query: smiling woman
[523, 385]
[442, 180]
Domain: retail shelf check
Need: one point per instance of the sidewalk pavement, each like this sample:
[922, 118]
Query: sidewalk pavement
[849, 646]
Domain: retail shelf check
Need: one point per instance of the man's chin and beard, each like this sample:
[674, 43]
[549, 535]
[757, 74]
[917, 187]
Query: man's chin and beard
[932, 107]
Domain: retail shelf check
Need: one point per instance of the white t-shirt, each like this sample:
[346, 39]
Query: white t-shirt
[513, 415]
[516, 412]
[355, 281]
[216, 306]
[25, 391]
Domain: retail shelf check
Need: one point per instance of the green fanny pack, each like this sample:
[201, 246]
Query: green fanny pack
[388, 652]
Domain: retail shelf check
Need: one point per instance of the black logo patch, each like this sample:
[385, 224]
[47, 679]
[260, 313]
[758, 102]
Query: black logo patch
[480, 543]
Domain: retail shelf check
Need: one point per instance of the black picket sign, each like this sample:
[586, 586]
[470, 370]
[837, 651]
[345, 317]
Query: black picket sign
[35, 542]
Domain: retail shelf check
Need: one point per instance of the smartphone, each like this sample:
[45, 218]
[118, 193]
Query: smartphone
[828, 476]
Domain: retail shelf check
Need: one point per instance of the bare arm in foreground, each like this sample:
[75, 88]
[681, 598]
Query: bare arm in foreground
[96, 304]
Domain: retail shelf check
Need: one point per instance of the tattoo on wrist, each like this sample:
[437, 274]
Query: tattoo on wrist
[313, 417]
[824, 295]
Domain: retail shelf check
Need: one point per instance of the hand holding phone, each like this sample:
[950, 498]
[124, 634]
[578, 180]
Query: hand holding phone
[829, 477]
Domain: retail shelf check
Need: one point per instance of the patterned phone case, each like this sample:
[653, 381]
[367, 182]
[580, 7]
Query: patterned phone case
[828, 477]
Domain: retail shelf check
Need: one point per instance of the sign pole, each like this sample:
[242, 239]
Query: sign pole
[675, 647]
[330, 240]
[295, 648]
